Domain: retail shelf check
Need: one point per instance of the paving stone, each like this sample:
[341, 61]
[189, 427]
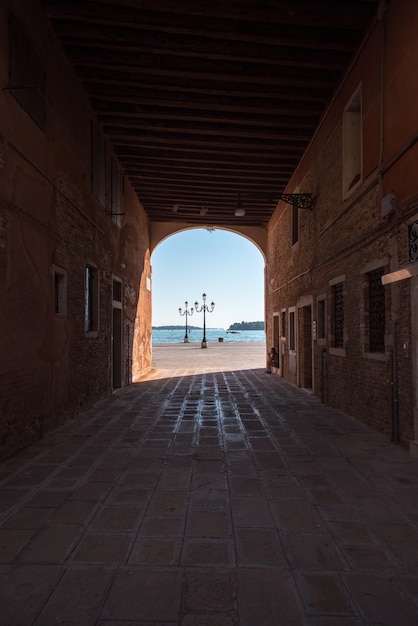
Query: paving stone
[103, 548]
[325, 593]
[259, 547]
[268, 597]
[155, 551]
[314, 551]
[154, 595]
[210, 591]
[210, 494]
[208, 524]
[199, 551]
[52, 545]
[381, 599]
[77, 598]
[24, 589]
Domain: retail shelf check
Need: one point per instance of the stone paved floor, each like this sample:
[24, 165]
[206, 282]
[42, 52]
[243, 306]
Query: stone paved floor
[211, 493]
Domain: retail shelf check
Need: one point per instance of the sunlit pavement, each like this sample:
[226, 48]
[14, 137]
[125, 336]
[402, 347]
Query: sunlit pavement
[211, 493]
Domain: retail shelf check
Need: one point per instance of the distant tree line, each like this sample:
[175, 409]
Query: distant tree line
[247, 326]
[176, 327]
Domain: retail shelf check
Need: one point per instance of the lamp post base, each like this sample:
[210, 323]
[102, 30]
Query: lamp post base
[186, 340]
[204, 344]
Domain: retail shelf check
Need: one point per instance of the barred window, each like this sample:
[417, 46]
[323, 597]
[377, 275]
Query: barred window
[338, 315]
[91, 318]
[376, 311]
[60, 291]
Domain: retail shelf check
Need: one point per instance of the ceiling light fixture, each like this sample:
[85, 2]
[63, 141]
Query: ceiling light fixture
[239, 211]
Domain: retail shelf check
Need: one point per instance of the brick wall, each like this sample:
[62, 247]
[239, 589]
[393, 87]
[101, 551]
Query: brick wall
[345, 237]
[50, 368]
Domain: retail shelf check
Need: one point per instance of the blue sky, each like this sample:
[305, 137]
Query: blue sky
[225, 266]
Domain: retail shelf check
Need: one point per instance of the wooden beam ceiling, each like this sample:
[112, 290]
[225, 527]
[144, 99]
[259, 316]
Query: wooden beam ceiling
[203, 101]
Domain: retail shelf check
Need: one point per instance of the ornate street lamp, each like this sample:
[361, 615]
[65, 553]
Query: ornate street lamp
[204, 308]
[186, 313]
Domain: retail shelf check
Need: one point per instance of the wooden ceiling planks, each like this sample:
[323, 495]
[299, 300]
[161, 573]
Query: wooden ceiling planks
[203, 101]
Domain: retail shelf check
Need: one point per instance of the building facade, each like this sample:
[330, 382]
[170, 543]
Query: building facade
[342, 276]
[75, 310]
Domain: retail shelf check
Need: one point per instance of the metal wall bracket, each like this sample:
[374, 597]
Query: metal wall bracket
[299, 200]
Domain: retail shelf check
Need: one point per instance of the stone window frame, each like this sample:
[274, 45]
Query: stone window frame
[370, 267]
[336, 350]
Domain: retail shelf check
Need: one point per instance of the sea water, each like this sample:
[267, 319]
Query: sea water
[212, 335]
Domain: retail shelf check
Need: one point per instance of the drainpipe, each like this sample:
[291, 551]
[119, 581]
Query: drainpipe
[394, 414]
[323, 373]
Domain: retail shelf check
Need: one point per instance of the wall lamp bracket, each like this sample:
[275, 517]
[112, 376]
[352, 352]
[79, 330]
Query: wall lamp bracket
[298, 200]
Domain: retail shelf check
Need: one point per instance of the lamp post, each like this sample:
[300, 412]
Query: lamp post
[186, 313]
[204, 308]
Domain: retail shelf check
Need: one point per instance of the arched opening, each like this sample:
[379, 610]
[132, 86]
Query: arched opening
[226, 266]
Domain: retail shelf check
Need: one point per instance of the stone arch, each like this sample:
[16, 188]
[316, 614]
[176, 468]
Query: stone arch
[159, 231]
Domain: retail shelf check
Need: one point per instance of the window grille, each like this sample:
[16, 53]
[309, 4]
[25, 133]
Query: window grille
[117, 291]
[91, 300]
[27, 81]
[376, 311]
[413, 242]
[338, 297]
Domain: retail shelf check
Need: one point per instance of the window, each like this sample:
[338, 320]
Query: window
[116, 290]
[295, 224]
[283, 324]
[292, 331]
[376, 297]
[60, 291]
[321, 319]
[116, 193]
[352, 143]
[27, 81]
[338, 315]
[92, 300]
[98, 163]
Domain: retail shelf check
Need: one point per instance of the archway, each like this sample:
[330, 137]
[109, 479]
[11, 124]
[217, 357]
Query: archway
[228, 266]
